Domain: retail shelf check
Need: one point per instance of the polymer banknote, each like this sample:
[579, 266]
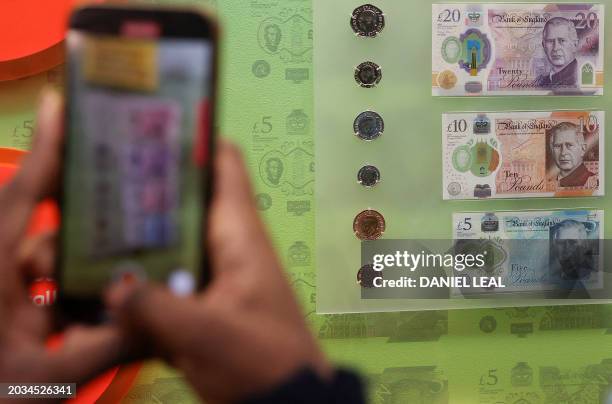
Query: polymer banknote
[517, 49]
[558, 254]
[523, 154]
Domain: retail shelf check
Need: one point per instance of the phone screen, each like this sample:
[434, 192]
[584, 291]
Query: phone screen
[136, 158]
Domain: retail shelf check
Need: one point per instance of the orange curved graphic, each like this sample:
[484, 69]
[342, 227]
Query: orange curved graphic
[32, 33]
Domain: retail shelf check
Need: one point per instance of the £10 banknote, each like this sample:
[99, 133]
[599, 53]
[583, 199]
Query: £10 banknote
[523, 154]
[535, 251]
[517, 49]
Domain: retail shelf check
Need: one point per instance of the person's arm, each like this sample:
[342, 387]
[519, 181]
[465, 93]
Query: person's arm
[245, 335]
[26, 327]
[307, 387]
[244, 338]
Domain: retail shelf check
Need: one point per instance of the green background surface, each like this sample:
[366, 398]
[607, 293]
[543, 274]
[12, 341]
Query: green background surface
[515, 355]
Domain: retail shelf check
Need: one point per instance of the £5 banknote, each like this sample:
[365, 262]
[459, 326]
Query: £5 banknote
[517, 49]
[556, 254]
[523, 154]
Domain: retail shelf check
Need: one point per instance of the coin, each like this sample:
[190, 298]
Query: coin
[369, 125]
[369, 225]
[367, 21]
[368, 176]
[368, 74]
[366, 275]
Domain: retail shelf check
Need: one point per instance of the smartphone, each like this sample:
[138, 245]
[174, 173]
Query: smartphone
[136, 176]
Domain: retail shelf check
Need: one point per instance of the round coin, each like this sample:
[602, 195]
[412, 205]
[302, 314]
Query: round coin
[367, 21]
[368, 176]
[366, 275]
[368, 74]
[369, 225]
[368, 126]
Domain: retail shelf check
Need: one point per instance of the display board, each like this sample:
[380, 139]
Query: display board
[538, 354]
[410, 153]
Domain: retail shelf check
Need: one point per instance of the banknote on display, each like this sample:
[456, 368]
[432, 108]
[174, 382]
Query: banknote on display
[523, 154]
[535, 251]
[517, 49]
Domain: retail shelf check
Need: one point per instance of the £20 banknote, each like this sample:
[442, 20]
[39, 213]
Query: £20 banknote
[523, 154]
[517, 49]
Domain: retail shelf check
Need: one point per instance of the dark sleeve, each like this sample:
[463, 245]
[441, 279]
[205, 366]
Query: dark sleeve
[305, 387]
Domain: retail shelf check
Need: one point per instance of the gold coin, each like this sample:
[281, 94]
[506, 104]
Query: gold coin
[447, 79]
[369, 225]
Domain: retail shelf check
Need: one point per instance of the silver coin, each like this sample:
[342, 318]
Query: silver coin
[368, 74]
[369, 125]
[367, 21]
[368, 176]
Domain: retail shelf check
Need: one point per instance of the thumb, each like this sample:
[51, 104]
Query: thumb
[37, 176]
[153, 320]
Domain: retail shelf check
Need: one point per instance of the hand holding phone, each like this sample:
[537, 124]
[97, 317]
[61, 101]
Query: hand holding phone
[26, 327]
[136, 169]
[243, 336]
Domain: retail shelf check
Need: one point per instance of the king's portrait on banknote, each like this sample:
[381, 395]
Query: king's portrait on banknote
[567, 157]
[558, 253]
[560, 43]
[572, 254]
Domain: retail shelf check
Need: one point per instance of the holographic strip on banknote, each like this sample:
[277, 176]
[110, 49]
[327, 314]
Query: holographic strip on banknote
[517, 49]
[523, 154]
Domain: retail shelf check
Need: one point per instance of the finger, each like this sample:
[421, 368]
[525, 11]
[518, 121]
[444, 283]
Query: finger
[242, 257]
[29, 323]
[234, 223]
[36, 256]
[154, 321]
[85, 353]
[232, 182]
[35, 178]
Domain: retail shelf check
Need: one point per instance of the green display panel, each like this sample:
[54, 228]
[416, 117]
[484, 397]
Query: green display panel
[408, 154]
[535, 354]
